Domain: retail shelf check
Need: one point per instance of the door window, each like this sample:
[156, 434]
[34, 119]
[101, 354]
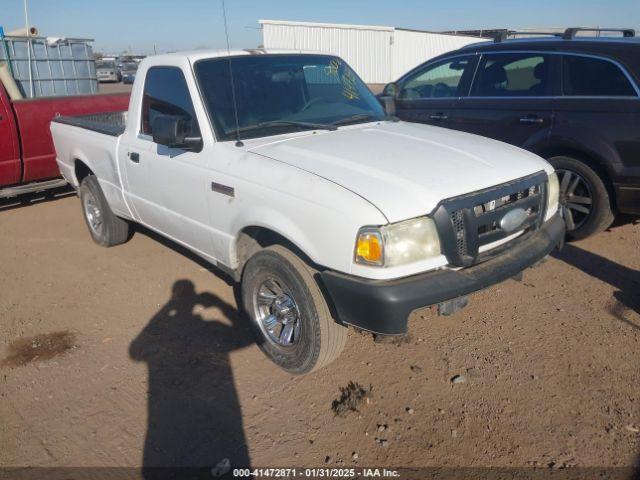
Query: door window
[513, 75]
[440, 80]
[594, 77]
[166, 93]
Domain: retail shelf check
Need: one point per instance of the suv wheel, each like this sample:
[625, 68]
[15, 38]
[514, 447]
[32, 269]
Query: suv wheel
[290, 317]
[105, 227]
[584, 199]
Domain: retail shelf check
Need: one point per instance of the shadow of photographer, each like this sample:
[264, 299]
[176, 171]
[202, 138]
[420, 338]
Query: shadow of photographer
[194, 415]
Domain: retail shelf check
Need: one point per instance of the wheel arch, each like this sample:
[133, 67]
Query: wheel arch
[81, 170]
[589, 158]
[254, 237]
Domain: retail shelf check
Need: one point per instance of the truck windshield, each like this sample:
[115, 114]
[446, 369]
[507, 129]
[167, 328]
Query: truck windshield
[283, 93]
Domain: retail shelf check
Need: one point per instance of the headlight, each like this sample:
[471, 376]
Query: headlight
[553, 195]
[398, 244]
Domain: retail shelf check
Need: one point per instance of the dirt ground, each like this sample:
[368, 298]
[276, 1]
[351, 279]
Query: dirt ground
[136, 355]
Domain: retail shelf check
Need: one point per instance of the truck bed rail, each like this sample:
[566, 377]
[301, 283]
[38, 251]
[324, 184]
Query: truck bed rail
[109, 123]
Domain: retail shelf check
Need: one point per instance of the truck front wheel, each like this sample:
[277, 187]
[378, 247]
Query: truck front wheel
[105, 227]
[290, 317]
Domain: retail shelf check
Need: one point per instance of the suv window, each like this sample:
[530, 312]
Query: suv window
[586, 76]
[440, 80]
[513, 75]
[166, 93]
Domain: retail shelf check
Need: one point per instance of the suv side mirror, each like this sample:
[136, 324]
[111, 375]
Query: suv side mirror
[388, 98]
[391, 90]
[171, 131]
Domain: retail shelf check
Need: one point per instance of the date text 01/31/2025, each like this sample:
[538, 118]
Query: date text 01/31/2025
[316, 472]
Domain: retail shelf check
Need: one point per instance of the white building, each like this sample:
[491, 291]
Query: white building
[378, 54]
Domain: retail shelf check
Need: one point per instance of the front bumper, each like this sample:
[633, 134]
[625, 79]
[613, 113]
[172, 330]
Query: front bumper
[383, 306]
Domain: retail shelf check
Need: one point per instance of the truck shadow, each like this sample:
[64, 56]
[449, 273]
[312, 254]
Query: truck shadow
[194, 420]
[626, 280]
[185, 252]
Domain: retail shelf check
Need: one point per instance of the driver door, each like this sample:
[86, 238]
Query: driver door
[432, 93]
[168, 187]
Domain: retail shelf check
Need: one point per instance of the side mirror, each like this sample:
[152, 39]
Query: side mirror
[171, 131]
[391, 90]
[388, 98]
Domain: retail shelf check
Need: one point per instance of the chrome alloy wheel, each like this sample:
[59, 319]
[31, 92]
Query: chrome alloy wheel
[93, 214]
[276, 313]
[576, 199]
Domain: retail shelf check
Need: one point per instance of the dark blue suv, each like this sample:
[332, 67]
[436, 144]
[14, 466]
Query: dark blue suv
[571, 99]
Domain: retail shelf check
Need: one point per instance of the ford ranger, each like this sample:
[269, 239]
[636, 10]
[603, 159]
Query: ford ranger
[283, 169]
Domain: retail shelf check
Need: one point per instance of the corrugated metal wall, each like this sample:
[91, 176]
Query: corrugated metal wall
[368, 51]
[377, 54]
[411, 48]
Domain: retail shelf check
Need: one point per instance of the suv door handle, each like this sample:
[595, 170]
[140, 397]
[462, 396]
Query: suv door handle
[134, 157]
[531, 119]
[438, 116]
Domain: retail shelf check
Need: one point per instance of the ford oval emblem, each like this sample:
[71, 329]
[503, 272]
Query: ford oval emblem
[513, 219]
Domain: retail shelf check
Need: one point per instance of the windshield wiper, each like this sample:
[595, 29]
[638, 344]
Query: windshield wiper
[276, 123]
[366, 117]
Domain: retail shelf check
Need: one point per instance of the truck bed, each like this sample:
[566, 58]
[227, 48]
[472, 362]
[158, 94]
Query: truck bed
[108, 123]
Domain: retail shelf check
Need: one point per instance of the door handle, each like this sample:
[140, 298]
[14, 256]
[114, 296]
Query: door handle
[531, 119]
[438, 116]
[134, 157]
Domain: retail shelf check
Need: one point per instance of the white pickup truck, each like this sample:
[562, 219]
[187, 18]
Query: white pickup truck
[283, 169]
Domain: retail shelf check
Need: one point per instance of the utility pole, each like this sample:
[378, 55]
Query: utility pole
[26, 19]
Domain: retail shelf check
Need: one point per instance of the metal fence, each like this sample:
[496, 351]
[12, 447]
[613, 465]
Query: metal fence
[58, 67]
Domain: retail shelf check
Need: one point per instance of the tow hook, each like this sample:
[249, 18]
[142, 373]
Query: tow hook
[452, 306]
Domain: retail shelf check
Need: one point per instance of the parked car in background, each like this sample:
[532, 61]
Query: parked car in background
[128, 72]
[27, 156]
[297, 184]
[107, 71]
[572, 100]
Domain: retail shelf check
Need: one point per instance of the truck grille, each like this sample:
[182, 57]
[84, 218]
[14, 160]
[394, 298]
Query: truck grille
[471, 221]
[457, 219]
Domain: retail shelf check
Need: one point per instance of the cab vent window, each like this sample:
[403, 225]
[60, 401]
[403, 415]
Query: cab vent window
[594, 77]
[166, 93]
[513, 75]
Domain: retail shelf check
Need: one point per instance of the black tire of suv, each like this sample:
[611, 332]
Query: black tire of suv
[321, 339]
[114, 229]
[602, 214]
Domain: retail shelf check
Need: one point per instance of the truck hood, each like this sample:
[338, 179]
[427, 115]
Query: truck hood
[403, 169]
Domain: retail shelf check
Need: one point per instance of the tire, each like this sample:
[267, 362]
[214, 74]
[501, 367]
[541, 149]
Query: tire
[587, 184]
[104, 226]
[271, 278]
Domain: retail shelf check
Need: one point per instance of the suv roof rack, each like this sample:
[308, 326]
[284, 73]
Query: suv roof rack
[570, 33]
[503, 35]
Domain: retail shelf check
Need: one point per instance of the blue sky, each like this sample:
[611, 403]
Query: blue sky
[186, 24]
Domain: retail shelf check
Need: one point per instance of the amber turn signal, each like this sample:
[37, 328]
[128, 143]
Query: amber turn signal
[369, 248]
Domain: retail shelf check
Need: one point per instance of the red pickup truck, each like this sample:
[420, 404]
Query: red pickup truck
[27, 156]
